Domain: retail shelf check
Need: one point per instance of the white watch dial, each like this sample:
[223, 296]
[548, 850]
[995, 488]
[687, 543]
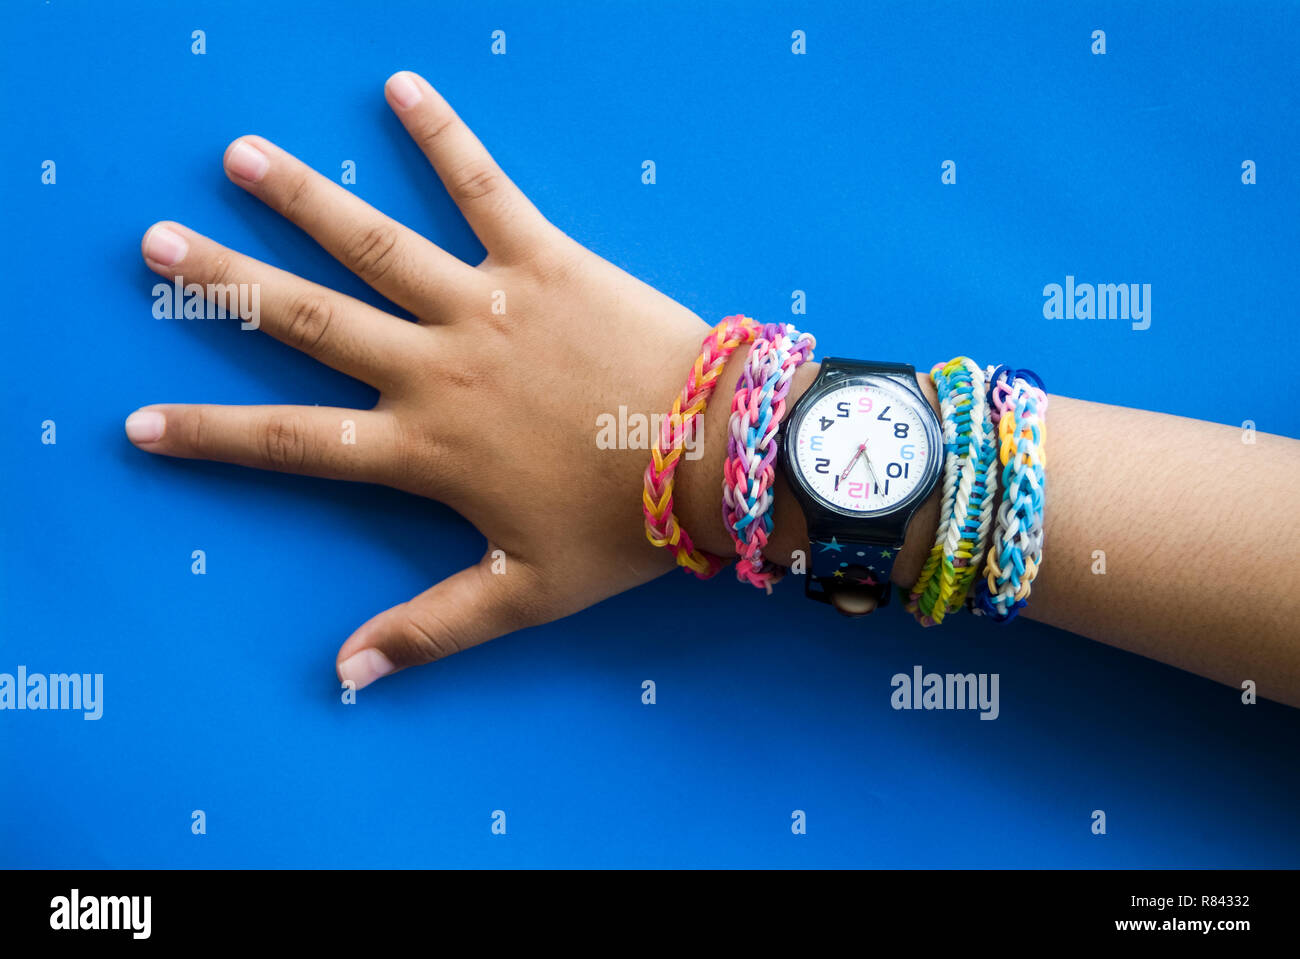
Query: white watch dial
[864, 447]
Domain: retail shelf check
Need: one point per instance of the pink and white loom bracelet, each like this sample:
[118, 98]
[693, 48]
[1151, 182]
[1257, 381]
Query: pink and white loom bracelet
[757, 409]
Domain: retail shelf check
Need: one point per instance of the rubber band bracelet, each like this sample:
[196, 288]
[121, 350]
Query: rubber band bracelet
[969, 489]
[661, 525]
[757, 408]
[1019, 406]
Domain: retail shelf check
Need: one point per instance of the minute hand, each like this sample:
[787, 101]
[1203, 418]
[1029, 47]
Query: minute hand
[866, 458]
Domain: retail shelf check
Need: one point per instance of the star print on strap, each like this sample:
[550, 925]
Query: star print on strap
[856, 563]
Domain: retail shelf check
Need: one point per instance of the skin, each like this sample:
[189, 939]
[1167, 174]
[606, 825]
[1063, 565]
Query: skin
[1195, 525]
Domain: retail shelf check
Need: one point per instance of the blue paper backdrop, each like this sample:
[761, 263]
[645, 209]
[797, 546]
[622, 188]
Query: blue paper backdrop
[776, 172]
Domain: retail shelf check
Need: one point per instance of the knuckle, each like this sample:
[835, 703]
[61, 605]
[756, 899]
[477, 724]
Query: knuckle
[372, 252]
[467, 379]
[428, 460]
[524, 600]
[436, 127]
[221, 270]
[415, 459]
[195, 431]
[427, 637]
[308, 321]
[476, 183]
[284, 443]
[297, 196]
[554, 263]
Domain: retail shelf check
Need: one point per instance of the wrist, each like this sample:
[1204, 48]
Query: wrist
[699, 485]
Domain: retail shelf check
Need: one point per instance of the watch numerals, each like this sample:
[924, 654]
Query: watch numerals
[863, 459]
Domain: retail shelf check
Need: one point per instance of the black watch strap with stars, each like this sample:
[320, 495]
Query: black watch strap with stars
[843, 561]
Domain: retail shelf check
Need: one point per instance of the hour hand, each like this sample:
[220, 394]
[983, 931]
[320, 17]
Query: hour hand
[853, 459]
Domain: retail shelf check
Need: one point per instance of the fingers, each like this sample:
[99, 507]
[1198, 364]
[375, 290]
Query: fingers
[463, 610]
[396, 261]
[323, 441]
[506, 223]
[351, 336]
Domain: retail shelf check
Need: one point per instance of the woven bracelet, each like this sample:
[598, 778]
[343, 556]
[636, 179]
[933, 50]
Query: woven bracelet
[969, 487]
[661, 526]
[1019, 407]
[757, 408]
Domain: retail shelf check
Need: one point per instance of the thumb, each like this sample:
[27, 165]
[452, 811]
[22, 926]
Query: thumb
[463, 610]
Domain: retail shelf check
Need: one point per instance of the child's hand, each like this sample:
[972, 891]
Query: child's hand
[492, 413]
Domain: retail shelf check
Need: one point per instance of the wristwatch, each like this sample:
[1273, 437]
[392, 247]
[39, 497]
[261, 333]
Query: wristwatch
[861, 449]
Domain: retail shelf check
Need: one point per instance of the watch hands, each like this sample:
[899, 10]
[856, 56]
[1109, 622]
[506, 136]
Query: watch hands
[870, 469]
[860, 450]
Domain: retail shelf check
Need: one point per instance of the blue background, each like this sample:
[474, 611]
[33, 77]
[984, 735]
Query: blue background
[775, 172]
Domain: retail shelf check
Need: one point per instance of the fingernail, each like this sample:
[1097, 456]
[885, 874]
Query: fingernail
[404, 90]
[247, 162]
[365, 667]
[145, 426]
[165, 246]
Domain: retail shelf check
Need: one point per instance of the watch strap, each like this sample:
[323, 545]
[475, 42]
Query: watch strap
[844, 561]
[840, 366]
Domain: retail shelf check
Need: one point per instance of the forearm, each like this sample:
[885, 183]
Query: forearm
[1196, 530]
[1165, 536]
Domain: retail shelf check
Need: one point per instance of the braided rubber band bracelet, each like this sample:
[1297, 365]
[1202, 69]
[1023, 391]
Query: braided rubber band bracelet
[757, 408]
[1019, 407]
[661, 526]
[969, 488]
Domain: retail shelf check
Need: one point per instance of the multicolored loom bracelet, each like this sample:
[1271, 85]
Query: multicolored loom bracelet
[757, 409]
[1019, 406]
[661, 526]
[969, 488]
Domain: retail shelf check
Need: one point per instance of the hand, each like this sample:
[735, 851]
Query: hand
[493, 413]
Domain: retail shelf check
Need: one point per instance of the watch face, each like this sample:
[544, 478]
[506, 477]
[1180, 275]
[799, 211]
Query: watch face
[864, 447]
